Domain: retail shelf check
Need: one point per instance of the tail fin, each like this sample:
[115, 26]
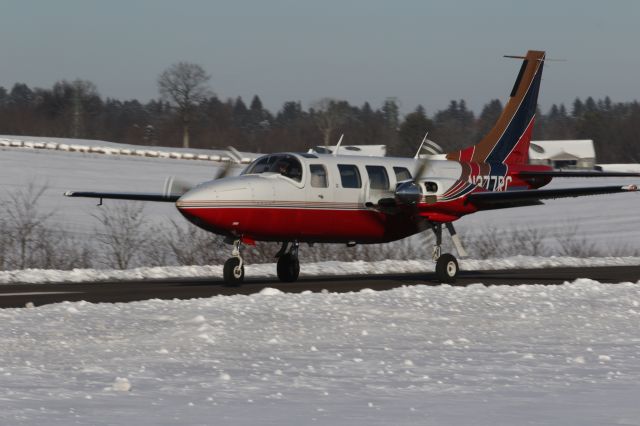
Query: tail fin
[508, 141]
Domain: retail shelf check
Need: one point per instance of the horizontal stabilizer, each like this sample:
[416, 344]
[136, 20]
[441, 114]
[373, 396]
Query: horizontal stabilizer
[124, 196]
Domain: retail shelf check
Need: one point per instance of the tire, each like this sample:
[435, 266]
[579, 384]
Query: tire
[230, 271]
[288, 268]
[447, 268]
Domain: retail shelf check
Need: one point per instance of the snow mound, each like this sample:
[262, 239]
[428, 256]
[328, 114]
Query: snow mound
[565, 354]
[121, 384]
[268, 291]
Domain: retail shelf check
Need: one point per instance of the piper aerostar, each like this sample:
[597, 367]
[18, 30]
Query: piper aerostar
[295, 198]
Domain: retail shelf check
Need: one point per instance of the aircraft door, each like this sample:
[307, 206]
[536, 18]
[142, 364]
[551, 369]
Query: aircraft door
[319, 198]
[319, 190]
[378, 185]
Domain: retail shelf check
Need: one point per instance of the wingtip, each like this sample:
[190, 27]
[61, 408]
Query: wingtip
[68, 194]
[630, 188]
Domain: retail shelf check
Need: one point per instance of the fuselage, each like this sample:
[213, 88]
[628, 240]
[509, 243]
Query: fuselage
[326, 198]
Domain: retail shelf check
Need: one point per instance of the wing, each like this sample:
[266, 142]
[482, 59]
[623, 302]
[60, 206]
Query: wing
[520, 198]
[167, 198]
[575, 173]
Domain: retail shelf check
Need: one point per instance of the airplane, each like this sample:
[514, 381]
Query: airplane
[295, 198]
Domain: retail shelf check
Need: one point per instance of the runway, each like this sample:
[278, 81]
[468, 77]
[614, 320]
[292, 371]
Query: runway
[21, 295]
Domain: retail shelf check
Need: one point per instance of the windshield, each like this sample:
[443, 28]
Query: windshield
[284, 164]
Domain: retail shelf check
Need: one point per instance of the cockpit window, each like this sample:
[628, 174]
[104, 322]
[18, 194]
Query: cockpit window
[287, 165]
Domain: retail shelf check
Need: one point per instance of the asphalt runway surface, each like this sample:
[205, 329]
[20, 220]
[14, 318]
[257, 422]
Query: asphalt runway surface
[21, 295]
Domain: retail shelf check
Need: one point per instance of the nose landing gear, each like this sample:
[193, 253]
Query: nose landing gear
[288, 263]
[233, 270]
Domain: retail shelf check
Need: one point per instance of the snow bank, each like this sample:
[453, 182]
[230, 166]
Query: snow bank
[33, 276]
[498, 355]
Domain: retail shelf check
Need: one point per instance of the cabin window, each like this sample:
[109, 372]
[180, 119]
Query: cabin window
[284, 164]
[378, 178]
[350, 176]
[402, 173]
[318, 176]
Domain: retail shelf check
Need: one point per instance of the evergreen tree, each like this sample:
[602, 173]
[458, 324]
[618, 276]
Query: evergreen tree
[21, 95]
[412, 130]
[488, 118]
[391, 113]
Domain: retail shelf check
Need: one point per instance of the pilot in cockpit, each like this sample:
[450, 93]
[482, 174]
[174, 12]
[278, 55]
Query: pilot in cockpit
[283, 168]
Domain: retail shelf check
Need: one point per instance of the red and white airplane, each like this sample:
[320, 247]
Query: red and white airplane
[296, 198]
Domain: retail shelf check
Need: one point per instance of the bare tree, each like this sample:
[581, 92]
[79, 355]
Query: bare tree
[184, 84]
[28, 240]
[82, 91]
[25, 223]
[529, 241]
[573, 243]
[190, 245]
[329, 114]
[122, 232]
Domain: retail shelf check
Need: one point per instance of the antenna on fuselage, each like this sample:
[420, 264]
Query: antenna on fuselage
[335, 152]
[430, 146]
[421, 144]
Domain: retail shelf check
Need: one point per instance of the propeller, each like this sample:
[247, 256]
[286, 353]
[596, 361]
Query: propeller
[408, 192]
[175, 186]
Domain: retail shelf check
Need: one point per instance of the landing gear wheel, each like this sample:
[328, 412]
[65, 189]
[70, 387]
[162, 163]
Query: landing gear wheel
[288, 268]
[447, 268]
[233, 273]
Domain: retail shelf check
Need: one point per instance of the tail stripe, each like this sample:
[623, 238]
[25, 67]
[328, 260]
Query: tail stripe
[508, 140]
[519, 123]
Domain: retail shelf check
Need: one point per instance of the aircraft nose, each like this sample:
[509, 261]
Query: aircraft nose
[195, 195]
[216, 206]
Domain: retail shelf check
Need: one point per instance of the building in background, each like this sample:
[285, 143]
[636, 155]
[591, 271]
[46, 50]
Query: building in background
[368, 150]
[563, 154]
[559, 154]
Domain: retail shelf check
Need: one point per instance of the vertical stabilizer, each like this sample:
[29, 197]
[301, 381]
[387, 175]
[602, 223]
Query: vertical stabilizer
[508, 141]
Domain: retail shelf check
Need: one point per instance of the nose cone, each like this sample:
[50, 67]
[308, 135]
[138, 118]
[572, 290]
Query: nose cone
[213, 205]
[214, 192]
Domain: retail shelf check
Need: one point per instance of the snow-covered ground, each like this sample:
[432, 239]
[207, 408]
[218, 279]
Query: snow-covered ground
[421, 355]
[268, 270]
[538, 355]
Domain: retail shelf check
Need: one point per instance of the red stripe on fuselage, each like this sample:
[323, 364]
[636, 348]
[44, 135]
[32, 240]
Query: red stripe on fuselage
[312, 225]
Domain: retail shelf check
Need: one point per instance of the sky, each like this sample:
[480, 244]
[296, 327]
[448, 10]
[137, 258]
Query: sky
[416, 51]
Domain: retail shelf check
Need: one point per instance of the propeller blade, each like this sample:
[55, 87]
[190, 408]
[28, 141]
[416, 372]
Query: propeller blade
[173, 186]
[234, 154]
[421, 170]
[409, 192]
[223, 171]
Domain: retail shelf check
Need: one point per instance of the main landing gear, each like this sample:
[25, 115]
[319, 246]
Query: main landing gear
[446, 264]
[288, 264]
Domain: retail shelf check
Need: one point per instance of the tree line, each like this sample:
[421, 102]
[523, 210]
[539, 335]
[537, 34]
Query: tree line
[188, 113]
